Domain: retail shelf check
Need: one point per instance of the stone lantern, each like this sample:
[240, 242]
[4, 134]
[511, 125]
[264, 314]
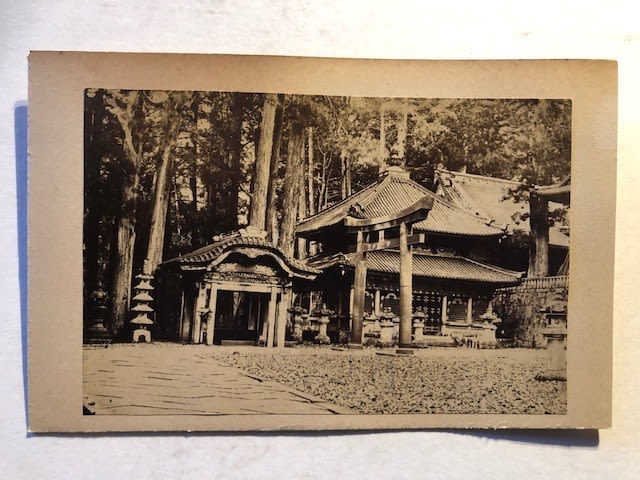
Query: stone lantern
[323, 321]
[418, 325]
[555, 331]
[386, 328]
[96, 332]
[297, 313]
[371, 329]
[142, 299]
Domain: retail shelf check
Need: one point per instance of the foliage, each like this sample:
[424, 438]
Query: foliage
[214, 156]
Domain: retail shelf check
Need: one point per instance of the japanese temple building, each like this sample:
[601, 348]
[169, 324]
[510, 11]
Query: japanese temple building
[446, 247]
[237, 289]
[393, 249]
[491, 200]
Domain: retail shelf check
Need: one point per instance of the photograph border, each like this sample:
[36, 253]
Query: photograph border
[57, 83]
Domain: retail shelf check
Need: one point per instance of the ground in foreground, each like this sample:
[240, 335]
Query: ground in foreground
[197, 379]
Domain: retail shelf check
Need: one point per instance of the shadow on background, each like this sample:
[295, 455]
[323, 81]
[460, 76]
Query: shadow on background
[20, 125]
[586, 438]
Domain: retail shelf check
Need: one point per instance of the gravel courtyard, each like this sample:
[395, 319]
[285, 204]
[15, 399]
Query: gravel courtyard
[434, 380]
[169, 378]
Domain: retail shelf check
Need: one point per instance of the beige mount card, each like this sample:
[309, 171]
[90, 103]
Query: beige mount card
[222, 243]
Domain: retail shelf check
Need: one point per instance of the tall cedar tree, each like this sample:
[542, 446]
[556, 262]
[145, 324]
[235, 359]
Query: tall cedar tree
[127, 108]
[259, 197]
[271, 214]
[292, 184]
[171, 122]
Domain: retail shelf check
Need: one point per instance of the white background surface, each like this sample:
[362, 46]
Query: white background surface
[397, 29]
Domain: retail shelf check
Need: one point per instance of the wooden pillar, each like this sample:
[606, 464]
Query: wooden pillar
[406, 288]
[271, 318]
[376, 304]
[359, 286]
[183, 330]
[281, 324]
[198, 308]
[351, 294]
[470, 310]
[443, 310]
[211, 325]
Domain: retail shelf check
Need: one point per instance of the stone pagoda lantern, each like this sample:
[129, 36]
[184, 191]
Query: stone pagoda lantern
[142, 299]
[555, 331]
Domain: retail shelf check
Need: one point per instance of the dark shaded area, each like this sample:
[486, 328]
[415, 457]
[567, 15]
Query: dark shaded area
[587, 438]
[20, 122]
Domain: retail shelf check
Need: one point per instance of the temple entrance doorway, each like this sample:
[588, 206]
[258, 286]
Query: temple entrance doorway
[240, 317]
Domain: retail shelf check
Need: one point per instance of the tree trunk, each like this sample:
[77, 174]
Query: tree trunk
[302, 213]
[323, 184]
[271, 219]
[235, 152]
[346, 175]
[382, 148]
[291, 190]
[311, 203]
[539, 236]
[171, 130]
[93, 117]
[126, 224]
[259, 195]
[402, 132]
[125, 241]
[193, 180]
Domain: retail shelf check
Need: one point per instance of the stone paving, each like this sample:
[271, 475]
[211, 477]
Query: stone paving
[170, 379]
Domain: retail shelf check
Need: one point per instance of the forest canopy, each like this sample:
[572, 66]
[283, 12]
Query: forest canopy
[166, 172]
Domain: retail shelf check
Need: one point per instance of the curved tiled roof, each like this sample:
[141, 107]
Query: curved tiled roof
[489, 198]
[209, 253]
[426, 265]
[392, 193]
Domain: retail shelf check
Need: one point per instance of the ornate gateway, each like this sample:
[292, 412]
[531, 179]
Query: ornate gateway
[237, 289]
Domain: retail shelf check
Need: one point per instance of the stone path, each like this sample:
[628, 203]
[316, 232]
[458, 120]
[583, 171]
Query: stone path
[171, 379]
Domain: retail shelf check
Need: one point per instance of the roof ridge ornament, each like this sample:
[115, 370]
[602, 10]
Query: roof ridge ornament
[251, 231]
[396, 171]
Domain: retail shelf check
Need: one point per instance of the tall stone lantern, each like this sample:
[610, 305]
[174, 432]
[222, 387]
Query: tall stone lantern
[555, 331]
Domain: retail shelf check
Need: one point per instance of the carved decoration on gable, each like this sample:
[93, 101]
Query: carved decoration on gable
[242, 277]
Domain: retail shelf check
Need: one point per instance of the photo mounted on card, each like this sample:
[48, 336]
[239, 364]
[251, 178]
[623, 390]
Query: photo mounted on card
[222, 243]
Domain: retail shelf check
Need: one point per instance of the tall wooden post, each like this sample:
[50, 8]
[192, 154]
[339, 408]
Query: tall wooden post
[406, 288]
[197, 311]
[211, 324]
[359, 286]
[271, 318]
[281, 324]
[443, 309]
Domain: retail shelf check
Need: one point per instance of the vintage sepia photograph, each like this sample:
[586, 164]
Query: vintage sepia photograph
[297, 254]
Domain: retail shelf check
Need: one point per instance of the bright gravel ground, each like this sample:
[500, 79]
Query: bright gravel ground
[435, 380]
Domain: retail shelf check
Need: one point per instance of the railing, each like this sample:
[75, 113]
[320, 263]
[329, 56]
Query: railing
[540, 283]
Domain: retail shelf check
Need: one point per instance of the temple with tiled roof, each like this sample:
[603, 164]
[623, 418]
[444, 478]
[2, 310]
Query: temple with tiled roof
[236, 290]
[394, 252]
[363, 239]
[490, 200]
